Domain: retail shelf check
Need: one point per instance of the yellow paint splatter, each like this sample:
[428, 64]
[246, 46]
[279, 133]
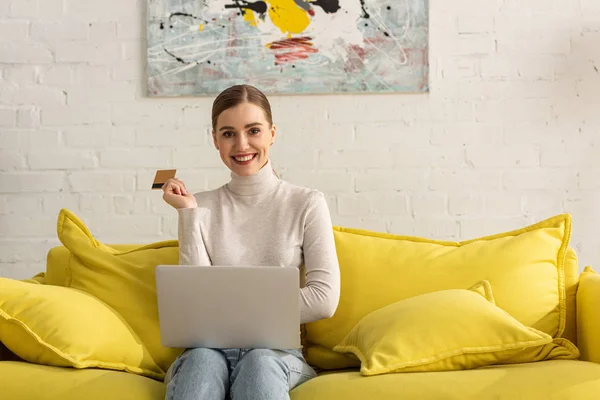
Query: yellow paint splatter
[201, 27]
[249, 17]
[288, 16]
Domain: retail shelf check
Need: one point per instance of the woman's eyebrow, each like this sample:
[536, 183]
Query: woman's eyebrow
[245, 127]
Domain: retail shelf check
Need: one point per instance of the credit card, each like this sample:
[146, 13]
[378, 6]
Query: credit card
[162, 176]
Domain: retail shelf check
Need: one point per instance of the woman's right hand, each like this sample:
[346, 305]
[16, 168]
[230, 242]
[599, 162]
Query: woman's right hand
[176, 195]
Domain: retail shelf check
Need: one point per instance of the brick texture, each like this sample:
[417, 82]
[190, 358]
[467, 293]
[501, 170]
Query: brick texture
[507, 135]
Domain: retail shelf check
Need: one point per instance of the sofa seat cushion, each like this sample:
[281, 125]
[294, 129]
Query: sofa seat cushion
[25, 381]
[556, 380]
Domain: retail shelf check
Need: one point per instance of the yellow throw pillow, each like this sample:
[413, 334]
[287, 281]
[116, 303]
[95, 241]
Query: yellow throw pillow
[525, 266]
[123, 279]
[442, 331]
[53, 325]
[485, 290]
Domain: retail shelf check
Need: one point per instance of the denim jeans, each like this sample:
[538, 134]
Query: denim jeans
[236, 374]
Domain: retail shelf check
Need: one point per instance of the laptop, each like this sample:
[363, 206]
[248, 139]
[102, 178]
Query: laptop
[228, 306]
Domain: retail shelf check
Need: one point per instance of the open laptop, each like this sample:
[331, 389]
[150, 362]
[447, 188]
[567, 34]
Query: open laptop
[228, 306]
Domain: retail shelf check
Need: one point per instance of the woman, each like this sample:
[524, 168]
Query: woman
[254, 219]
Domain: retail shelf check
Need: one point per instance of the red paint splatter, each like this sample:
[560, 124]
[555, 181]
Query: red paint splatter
[311, 12]
[213, 73]
[361, 53]
[290, 50]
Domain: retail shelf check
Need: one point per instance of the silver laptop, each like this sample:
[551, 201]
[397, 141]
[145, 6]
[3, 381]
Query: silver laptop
[228, 306]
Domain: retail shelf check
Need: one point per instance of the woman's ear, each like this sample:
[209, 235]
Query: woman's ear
[273, 134]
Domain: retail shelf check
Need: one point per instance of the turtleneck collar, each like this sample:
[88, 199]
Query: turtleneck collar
[262, 181]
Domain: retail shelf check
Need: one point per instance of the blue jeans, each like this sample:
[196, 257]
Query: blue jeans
[236, 374]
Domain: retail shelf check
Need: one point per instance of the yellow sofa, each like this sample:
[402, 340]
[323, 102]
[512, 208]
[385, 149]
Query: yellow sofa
[533, 273]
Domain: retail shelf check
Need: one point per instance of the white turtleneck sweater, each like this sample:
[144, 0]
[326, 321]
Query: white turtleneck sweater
[262, 220]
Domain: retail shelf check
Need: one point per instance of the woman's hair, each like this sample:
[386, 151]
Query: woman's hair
[239, 94]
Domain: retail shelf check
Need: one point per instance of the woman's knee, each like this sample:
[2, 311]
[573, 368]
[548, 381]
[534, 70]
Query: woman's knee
[203, 355]
[262, 364]
[262, 359]
[199, 359]
[260, 375]
[198, 372]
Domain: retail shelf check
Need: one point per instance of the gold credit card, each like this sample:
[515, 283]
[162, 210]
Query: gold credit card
[162, 176]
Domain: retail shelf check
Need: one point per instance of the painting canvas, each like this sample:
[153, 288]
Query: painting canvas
[200, 47]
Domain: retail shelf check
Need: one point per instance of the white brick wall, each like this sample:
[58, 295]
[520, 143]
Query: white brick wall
[509, 133]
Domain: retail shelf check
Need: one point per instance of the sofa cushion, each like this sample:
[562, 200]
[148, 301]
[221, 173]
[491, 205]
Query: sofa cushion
[25, 381]
[525, 268]
[556, 380]
[588, 314]
[442, 331]
[571, 283]
[123, 279]
[57, 263]
[65, 327]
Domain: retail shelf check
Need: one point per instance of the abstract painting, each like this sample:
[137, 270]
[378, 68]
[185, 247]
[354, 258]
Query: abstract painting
[200, 47]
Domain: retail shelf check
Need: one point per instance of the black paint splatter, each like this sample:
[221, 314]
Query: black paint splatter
[329, 6]
[366, 15]
[162, 25]
[180, 14]
[364, 10]
[181, 60]
[258, 6]
[237, 3]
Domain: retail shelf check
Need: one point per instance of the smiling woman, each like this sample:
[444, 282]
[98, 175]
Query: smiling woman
[256, 219]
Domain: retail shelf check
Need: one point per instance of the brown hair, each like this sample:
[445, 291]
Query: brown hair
[239, 94]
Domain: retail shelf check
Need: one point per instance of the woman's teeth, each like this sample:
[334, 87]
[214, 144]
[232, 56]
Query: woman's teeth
[245, 158]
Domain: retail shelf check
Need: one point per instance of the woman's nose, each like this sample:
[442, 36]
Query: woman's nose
[242, 141]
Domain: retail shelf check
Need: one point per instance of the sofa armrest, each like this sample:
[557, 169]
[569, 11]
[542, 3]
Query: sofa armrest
[588, 315]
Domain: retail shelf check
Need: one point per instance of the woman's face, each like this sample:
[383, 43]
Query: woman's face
[243, 137]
